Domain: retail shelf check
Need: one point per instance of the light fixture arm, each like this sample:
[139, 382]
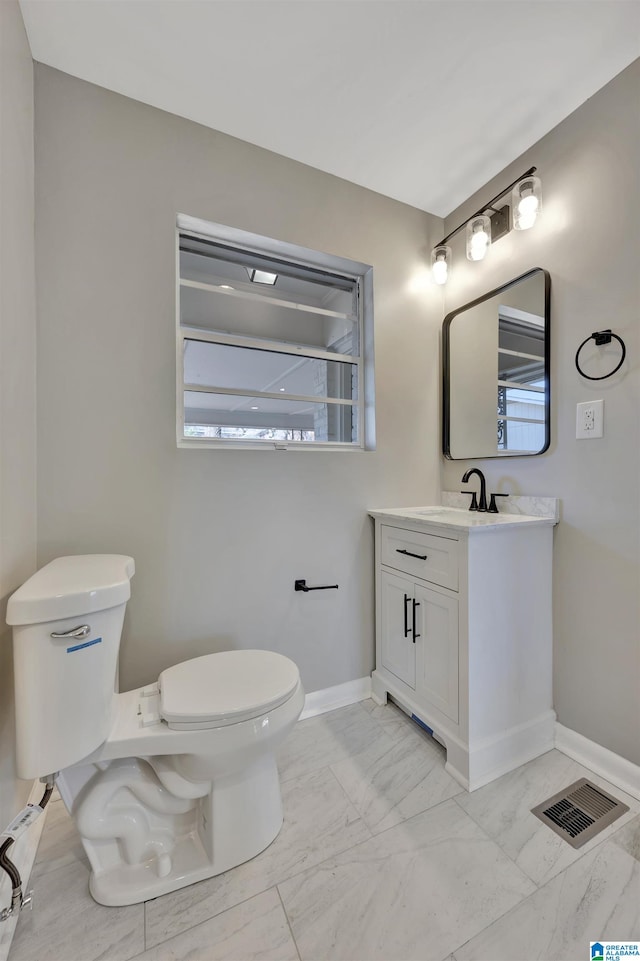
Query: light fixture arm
[487, 206]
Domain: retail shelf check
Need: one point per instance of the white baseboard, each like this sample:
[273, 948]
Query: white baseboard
[23, 854]
[528, 743]
[614, 768]
[492, 757]
[330, 698]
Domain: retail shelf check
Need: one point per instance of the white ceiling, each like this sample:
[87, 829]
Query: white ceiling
[423, 101]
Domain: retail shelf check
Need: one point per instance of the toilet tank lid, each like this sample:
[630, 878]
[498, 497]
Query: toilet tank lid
[72, 587]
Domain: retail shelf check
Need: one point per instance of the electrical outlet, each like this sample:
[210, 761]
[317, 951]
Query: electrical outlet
[590, 420]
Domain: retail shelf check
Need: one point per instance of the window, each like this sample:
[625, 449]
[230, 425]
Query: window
[275, 343]
[521, 381]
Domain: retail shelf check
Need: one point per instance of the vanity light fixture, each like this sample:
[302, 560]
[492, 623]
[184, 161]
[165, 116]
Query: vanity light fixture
[261, 276]
[489, 223]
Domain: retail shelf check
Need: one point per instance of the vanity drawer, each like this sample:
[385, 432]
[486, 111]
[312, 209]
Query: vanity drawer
[422, 555]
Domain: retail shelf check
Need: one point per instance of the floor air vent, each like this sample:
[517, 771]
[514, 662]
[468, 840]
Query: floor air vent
[579, 812]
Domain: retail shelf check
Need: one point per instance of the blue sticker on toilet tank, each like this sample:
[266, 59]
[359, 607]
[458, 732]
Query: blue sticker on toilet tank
[78, 647]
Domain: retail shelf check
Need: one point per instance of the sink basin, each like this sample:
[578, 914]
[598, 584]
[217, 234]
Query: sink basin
[430, 511]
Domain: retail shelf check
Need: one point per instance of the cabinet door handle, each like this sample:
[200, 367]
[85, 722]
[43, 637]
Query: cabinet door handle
[421, 557]
[413, 620]
[406, 619]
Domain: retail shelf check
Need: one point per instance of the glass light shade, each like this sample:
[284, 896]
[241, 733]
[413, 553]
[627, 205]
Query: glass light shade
[526, 202]
[478, 237]
[440, 263]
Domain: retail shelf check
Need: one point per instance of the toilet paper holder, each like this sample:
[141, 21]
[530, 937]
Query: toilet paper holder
[301, 585]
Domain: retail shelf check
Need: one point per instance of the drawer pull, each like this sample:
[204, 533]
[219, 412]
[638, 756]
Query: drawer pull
[406, 619]
[420, 557]
[413, 619]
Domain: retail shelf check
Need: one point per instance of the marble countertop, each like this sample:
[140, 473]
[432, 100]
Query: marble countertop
[544, 512]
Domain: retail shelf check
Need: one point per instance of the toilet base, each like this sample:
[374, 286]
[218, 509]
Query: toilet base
[131, 884]
[239, 818]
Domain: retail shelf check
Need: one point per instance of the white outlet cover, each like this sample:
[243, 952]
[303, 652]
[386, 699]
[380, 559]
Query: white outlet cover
[590, 420]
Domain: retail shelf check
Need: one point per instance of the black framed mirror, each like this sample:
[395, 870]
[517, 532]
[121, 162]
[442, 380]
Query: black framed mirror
[495, 352]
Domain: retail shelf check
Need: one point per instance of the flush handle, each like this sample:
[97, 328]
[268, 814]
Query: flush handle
[83, 631]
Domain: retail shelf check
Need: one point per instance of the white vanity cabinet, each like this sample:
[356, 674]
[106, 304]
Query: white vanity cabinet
[409, 611]
[464, 633]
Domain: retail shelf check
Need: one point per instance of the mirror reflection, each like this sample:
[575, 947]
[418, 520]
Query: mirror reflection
[496, 372]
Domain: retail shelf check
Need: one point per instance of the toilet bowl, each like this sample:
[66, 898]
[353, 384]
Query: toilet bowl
[167, 784]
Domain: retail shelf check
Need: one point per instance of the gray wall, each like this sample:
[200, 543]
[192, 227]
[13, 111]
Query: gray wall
[218, 536]
[17, 363]
[589, 241]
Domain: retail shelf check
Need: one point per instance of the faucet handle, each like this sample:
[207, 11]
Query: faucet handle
[474, 501]
[493, 507]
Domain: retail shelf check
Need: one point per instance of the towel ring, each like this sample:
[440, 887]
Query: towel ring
[601, 338]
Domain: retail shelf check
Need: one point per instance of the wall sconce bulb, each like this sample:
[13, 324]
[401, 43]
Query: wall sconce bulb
[478, 237]
[526, 202]
[440, 261]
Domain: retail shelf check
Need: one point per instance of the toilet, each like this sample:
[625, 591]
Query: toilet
[167, 784]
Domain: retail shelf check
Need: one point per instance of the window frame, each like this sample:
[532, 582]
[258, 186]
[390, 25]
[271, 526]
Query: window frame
[293, 256]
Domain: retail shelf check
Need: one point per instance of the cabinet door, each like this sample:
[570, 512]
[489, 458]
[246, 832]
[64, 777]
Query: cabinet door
[437, 649]
[397, 647]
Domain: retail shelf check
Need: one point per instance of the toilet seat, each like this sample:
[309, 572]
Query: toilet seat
[220, 689]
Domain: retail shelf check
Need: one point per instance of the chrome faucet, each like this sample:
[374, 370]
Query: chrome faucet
[475, 506]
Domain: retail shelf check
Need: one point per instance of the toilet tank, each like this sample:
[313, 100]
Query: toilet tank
[65, 685]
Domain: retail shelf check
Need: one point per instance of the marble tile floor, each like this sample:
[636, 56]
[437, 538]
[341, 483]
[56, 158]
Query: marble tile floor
[382, 856]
